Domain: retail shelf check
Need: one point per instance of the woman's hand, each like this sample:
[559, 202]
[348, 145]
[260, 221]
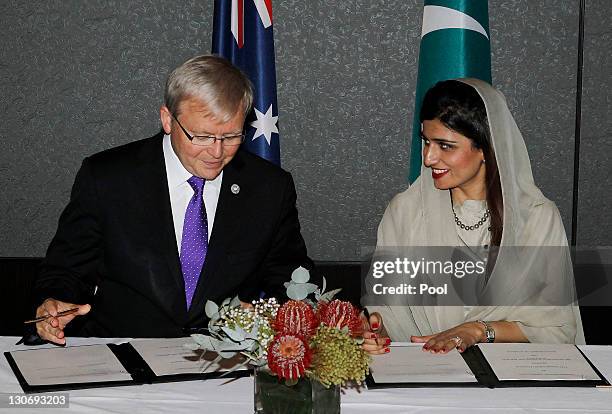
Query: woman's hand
[461, 337]
[375, 341]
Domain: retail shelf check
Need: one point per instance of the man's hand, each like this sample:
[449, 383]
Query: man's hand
[52, 329]
[246, 305]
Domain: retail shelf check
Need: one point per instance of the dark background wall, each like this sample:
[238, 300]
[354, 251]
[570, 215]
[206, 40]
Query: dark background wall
[80, 76]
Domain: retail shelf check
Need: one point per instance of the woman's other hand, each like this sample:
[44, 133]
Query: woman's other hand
[461, 337]
[375, 341]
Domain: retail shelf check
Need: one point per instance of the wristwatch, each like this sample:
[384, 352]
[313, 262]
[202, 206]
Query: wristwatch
[489, 331]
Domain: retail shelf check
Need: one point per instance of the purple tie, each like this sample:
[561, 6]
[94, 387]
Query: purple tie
[194, 244]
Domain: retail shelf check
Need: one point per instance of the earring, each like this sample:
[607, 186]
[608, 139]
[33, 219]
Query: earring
[483, 161]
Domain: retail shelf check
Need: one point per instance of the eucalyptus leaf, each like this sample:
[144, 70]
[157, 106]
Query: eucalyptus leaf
[300, 275]
[324, 285]
[235, 302]
[214, 329]
[236, 335]
[247, 344]
[329, 296]
[211, 309]
[359, 340]
[227, 354]
[193, 346]
[204, 341]
[297, 291]
[215, 318]
[310, 287]
[293, 292]
[222, 344]
[254, 331]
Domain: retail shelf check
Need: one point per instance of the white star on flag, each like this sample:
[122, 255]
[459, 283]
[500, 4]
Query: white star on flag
[265, 124]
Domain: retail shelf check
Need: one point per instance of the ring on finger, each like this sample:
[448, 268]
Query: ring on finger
[458, 341]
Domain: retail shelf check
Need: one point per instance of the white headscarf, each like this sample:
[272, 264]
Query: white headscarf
[422, 216]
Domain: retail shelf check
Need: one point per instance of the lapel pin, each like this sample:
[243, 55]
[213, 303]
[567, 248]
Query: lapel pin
[235, 188]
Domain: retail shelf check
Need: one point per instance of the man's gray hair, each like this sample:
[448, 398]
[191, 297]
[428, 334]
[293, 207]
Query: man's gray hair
[221, 87]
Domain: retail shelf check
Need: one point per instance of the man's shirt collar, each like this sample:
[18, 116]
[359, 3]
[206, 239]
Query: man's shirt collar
[177, 174]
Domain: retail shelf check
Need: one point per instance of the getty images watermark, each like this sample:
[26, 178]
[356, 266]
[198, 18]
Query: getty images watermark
[414, 270]
[469, 276]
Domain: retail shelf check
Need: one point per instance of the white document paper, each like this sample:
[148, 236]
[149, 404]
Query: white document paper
[408, 363]
[169, 356]
[540, 362]
[75, 364]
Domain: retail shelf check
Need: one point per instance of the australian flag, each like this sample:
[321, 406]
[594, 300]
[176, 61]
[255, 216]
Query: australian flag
[242, 33]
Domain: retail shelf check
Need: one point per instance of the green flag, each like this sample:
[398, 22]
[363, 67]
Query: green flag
[454, 44]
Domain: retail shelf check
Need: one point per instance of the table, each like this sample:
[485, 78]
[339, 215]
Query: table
[236, 396]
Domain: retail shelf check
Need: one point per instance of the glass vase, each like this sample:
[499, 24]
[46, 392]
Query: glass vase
[274, 396]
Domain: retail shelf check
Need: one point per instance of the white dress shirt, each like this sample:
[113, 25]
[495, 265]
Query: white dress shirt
[181, 192]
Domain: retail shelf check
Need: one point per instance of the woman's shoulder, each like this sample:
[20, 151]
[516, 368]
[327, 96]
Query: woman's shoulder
[400, 219]
[404, 207]
[406, 202]
[545, 211]
[544, 225]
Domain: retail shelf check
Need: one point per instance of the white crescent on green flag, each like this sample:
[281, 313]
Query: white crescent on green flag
[454, 44]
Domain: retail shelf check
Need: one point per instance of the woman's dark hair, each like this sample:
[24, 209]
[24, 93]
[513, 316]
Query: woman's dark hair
[459, 107]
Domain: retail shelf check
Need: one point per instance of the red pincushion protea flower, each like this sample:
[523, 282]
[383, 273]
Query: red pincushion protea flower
[339, 314]
[288, 356]
[296, 318]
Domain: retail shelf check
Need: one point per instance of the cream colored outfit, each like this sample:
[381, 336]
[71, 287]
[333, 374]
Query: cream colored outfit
[422, 216]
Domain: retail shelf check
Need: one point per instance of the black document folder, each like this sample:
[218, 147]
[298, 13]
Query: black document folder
[137, 372]
[485, 376]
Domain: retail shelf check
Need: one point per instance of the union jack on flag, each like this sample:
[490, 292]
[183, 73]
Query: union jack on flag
[242, 33]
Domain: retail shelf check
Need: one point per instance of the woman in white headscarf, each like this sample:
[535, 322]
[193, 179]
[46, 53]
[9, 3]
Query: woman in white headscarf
[476, 189]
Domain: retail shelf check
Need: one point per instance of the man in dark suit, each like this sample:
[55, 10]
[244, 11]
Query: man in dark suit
[157, 227]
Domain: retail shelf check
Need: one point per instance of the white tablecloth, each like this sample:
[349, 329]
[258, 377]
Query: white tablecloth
[236, 396]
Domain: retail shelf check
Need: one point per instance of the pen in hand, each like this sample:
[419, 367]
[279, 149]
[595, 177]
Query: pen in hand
[45, 317]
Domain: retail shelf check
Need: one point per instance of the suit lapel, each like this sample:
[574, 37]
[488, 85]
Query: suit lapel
[155, 194]
[226, 224]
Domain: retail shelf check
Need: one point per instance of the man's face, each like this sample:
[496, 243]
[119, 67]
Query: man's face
[205, 162]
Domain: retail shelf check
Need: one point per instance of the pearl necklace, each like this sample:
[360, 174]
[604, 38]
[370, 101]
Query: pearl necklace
[475, 226]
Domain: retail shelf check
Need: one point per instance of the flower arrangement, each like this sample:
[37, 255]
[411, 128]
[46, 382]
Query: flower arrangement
[316, 339]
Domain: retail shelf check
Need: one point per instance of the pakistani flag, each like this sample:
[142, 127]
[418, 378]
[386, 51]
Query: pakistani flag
[454, 44]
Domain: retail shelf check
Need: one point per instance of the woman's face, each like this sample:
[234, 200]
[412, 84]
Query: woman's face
[455, 163]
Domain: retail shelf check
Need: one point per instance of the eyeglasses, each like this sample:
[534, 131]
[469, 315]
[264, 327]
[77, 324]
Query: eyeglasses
[206, 140]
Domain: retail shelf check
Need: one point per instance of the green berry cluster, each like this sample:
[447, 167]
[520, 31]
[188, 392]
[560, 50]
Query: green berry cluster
[338, 358]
